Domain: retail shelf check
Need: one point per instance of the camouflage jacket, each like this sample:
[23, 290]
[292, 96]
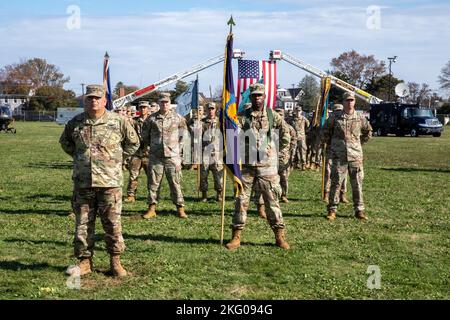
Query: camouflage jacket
[256, 127]
[345, 134]
[138, 123]
[97, 147]
[164, 134]
[293, 144]
[300, 124]
[211, 140]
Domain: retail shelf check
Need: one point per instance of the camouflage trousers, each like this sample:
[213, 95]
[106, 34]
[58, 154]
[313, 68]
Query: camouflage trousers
[267, 184]
[87, 204]
[217, 171]
[301, 151]
[328, 178]
[135, 166]
[339, 170]
[156, 169]
[284, 172]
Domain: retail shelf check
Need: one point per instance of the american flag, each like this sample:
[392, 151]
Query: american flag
[250, 71]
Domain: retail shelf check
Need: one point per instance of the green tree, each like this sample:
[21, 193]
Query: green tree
[380, 86]
[311, 88]
[180, 87]
[51, 98]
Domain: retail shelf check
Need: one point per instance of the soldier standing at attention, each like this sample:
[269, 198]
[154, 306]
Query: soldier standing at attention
[140, 159]
[97, 140]
[212, 155]
[337, 108]
[260, 163]
[345, 133]
[300, 124]
[163, 132]
[284, 164]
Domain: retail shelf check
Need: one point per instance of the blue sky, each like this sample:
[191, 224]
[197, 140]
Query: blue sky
[150, 40]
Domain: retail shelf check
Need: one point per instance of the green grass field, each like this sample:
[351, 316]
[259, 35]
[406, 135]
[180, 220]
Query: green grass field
[407, 195]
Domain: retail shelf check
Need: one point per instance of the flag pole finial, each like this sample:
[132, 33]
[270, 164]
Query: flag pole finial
[106, 55]
[231, 23]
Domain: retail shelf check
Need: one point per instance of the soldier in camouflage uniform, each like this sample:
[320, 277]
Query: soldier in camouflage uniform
[284, 168]
[301, 125]
[212, 153]
[97, 140]
[195, 130]
[140, 159]
[260, 163]
[163, 132]
[345, 133]
[337, 108]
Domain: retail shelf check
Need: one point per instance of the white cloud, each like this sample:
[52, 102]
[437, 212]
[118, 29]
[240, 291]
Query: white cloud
[147, 47]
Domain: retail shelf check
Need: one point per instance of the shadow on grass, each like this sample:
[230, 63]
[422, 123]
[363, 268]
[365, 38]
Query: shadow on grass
[59, 243]
[172, 239]
[61, 213]
[50, 165]
[164, 238]
[417, 170]
[51, 197]
[19, 266]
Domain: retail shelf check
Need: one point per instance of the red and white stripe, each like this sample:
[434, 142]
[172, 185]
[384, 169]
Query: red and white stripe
[269, 71]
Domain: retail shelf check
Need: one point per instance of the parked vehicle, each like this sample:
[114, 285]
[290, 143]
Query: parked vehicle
[404, 119]
[63, 115]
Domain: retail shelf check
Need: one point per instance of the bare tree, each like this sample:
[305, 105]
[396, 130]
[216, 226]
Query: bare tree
[358, 69]
[31, 75]
[444, 78]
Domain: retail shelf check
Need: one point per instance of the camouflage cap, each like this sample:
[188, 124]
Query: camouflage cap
[279, 110]
[337, 107]
[348, 96]
[94, 90]
[164, 97]
[210, 105]
[143, 104]
[154, 105]
[257, 88]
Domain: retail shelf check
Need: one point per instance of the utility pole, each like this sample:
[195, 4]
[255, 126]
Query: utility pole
[391, 59]
[82, 92]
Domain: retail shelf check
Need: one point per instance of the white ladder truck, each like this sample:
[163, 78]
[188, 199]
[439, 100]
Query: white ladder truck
[120, 102]
[278, 55]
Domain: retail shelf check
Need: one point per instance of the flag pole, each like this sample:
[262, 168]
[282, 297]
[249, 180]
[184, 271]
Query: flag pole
[222, 220]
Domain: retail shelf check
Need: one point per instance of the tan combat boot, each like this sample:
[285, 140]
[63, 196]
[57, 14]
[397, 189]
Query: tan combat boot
[235, 241]
[331, 215]
[326, 197]
[361, 215]
[204, 196]
[83, 267]
[116, 267]
[279, 239]
[262, 211]
[130, 199]
[181, 212]
[284, 199]
[303, 167]
[343, 198]
[219, 196]
[151, 212]
[312, 167]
